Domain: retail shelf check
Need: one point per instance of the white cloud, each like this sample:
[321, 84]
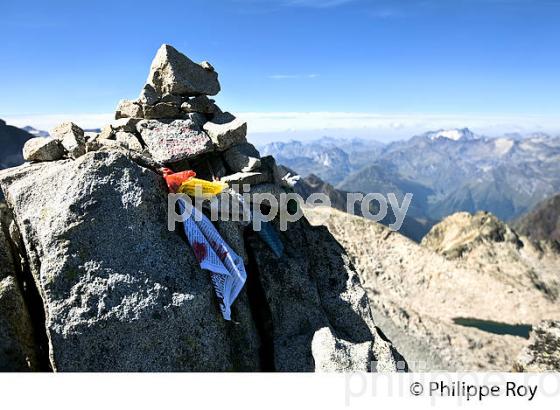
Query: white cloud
[385, 127]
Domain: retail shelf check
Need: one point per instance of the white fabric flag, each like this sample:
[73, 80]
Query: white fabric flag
[215, 255]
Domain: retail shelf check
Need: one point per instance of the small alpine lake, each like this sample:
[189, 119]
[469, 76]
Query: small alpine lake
[499, 328]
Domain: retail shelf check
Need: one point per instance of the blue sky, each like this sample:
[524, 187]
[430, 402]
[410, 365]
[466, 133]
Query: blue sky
[478, 63]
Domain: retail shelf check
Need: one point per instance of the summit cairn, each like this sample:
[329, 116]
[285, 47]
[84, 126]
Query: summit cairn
[172, 121]
[120, 291]
[175, 120]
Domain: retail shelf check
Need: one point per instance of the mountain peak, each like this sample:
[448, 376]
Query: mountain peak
[35, 132]
[454, 134]
[457, 234]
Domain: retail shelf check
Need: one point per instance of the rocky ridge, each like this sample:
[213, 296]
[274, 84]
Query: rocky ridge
[470, 267]
[117, 291]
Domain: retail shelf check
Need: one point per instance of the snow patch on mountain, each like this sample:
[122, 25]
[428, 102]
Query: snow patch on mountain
[452, 134]
[35, 132]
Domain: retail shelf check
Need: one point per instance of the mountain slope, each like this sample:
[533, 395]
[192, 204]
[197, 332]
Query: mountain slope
[12, 140]
[331, 159]
[422, 293]
[382, 178]
[543, 222]
[412, 227]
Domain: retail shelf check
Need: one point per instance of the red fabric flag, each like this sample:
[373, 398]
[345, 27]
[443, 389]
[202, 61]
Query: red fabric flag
[175, 179]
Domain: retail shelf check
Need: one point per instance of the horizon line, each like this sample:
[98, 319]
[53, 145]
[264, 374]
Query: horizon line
[374, 125]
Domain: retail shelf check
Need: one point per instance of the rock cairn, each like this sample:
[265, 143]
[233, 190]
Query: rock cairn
[172, 123]
[117, 291]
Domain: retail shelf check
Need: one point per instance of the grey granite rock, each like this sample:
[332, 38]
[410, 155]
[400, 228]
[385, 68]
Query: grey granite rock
[7, 266]
[162, 110]
[209, 166]
[227, 134]
[173, 99]
[173, 141]
[121, 292]
[43, 149]
[172, 72]
[124, 124]
[207, 66]
[129, 140]
[268, 165]
[265, 188]
[65, 128]
[316, 272]
[332, 354]
[201, 104]
[142, 158]
[18, 351]
[242, 157]
[198, 118]
[148, 95]
[220, 117]
[129, 109]
[542, 354]
[251, 178]
[105, 143]
[106, 133]
[71, 137]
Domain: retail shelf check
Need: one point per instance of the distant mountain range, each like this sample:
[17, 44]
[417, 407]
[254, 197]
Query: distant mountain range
[447, 171]
[332, 159]
[35, 132]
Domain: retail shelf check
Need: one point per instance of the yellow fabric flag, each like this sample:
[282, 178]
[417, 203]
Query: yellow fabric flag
[206, 188]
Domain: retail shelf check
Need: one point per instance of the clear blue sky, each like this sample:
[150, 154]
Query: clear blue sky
[373, 56]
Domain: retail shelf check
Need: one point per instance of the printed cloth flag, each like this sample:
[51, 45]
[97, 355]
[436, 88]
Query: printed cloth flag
[214, 254]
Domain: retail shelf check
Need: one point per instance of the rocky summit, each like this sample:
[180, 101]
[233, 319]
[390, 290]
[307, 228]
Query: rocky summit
[93, 280]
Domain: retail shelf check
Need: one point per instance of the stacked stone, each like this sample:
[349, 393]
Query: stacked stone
[172, 123]
[145, 304]
[66, 141]
[179, 126]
